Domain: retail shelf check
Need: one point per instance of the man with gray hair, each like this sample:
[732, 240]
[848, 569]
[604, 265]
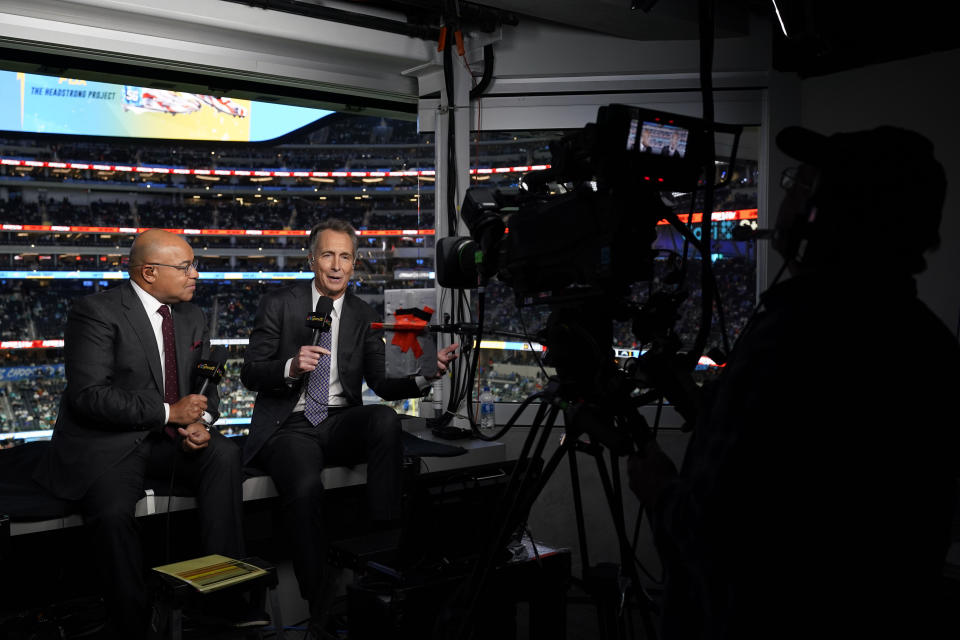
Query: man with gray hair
[309, 413]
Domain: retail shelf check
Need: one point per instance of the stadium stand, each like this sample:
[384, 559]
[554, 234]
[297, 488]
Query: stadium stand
[43, 269]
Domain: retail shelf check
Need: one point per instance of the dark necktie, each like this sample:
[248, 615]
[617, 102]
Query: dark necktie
[171, 387]
[318, 386]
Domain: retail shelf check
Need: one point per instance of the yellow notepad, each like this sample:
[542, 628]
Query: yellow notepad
[210, 573]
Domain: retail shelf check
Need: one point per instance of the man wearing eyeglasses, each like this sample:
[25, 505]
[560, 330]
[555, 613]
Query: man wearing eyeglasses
[299, 427]
[129, 411]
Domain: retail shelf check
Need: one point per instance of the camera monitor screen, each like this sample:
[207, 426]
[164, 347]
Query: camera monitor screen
[657, 138]
[663, 148]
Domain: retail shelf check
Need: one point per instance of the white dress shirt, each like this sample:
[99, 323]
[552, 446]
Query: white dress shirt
[151, 305]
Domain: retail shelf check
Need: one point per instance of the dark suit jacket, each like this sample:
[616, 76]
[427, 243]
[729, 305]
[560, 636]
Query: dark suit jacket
[114, 393]
[278, 333]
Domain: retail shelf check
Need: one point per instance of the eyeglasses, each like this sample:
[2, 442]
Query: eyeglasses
[790, 179]
[184, 268]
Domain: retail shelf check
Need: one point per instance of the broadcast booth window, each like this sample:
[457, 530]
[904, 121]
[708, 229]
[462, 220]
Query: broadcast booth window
[603, 248]
[74, 191]
[85, 165]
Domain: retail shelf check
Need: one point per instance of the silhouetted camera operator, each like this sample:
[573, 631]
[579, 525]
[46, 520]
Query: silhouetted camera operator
[817, 493]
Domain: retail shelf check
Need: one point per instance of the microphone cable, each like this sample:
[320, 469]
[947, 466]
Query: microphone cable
[173, 473]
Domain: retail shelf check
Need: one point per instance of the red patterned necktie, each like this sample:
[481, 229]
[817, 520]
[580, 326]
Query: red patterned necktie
[171, 387]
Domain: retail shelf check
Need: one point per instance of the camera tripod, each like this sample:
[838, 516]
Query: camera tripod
[600, 419]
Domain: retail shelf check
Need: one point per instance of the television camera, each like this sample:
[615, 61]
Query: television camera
[590, 218]
[576, 236]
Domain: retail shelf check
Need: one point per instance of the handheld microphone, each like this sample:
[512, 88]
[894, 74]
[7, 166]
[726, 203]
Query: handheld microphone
[211, 370]
[319, 320]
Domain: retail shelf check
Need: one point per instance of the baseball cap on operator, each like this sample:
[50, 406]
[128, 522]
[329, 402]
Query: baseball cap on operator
[885, 179]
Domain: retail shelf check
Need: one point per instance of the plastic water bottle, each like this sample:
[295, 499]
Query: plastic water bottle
[487, 422]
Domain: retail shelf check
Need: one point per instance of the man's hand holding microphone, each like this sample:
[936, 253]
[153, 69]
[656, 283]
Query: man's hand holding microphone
[188, 410]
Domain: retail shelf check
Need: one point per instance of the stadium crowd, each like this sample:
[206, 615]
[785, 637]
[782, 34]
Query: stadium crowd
[36, 309]
[290, 213]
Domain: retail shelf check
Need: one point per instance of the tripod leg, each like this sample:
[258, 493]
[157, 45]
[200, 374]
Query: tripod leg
[605, 582]
[578, 511]
[628, 563]
[602, 582]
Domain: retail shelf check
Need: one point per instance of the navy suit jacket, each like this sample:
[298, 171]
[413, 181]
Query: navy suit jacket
[278, 333]
[114, 392]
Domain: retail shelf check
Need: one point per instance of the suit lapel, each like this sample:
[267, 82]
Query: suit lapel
[302, 298]
[184, 340]
[137, 317]
[349, 332]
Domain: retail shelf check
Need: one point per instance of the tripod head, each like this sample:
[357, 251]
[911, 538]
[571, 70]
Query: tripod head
[602, 399]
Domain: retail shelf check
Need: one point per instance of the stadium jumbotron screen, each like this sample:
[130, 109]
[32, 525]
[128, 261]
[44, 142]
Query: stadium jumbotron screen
[32, 103]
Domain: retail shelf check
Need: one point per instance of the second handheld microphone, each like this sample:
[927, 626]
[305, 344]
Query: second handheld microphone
[211, 369]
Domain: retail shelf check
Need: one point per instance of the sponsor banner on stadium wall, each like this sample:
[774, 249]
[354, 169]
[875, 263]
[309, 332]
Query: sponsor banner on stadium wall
[12, 374]
[33, 103]
[413, 274]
